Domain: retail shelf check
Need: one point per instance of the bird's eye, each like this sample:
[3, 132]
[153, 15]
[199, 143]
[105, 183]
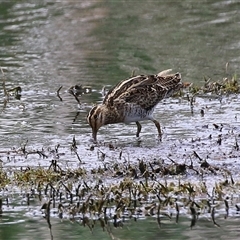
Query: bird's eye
[95, 116]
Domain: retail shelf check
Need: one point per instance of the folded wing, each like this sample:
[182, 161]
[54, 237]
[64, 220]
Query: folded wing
[143, 90]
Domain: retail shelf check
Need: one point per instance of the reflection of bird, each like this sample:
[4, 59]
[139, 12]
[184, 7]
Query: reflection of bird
[134, 100]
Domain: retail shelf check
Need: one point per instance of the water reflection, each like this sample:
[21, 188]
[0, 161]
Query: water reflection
[28, 228]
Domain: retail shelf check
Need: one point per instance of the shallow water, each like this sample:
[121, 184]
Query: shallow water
[131, 230]
[97, 43]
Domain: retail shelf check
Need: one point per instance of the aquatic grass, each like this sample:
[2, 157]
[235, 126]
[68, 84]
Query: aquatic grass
[145, 183]
[14, 92]
[227, 85]
[4, 179]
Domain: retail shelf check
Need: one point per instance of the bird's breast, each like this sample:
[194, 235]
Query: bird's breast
[133, 114]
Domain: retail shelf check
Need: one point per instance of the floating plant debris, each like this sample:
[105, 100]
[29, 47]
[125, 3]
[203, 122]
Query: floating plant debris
[78, 90]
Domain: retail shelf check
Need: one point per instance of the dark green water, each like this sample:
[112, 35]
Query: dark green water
[46, 45]
[19, 227]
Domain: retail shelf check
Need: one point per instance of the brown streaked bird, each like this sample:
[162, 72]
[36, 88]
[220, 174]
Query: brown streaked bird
[134, 100]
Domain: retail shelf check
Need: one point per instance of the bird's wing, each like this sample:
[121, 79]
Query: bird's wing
[143, 90]
[151, 90]
[123, 87]
[144, 95]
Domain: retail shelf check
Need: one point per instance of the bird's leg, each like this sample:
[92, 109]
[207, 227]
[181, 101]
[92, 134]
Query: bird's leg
[139, 128]
[157, 124]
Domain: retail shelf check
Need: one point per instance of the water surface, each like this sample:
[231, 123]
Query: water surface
[97, 43]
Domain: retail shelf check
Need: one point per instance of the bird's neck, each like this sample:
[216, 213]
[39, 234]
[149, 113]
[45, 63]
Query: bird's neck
[111, 115]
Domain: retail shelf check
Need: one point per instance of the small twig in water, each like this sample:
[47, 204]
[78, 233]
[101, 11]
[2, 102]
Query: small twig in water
[75, 151]
[75, 96]
[3, 84]
[24, 147]
[76, 116]
[74, 144]
[213, 217]
[58, 93]
[5, 90]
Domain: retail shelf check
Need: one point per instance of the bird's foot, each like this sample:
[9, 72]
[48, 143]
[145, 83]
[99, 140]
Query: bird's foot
[139, 140]
[160, 137]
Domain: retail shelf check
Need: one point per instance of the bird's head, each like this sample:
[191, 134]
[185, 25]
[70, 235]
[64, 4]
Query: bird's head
[96, 119]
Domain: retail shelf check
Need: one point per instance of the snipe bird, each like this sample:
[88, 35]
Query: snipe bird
[134, 100]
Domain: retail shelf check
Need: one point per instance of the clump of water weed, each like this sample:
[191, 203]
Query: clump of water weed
[227, 85]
